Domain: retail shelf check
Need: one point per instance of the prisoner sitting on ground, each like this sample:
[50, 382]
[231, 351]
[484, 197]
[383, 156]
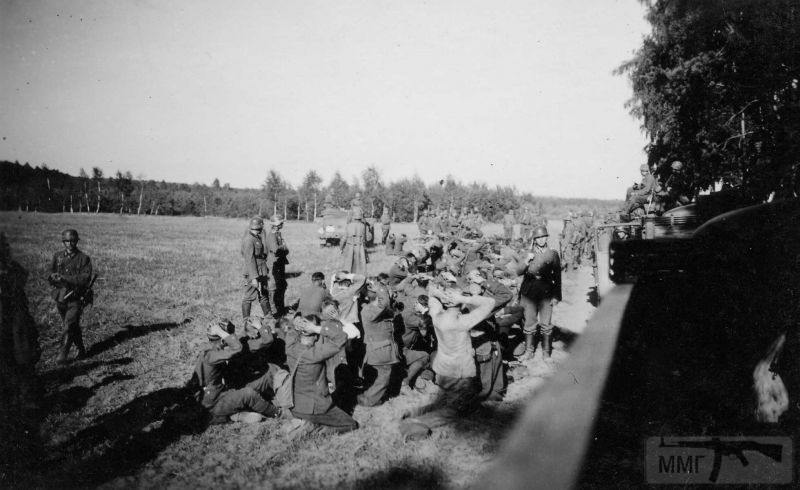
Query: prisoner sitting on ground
[306, 357]
[209, 372]
[454, 363]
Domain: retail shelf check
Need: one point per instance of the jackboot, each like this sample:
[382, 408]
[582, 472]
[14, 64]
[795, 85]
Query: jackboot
[530, 347]
[272, 295]
[78, 340]
[265, 306]
[245, 309]
[547, 345]
[65, 344]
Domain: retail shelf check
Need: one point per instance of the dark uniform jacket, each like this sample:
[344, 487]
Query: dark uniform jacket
[542, 276]
[208, 371]
[377, 318]
[311, 300]
[76, 269]
[307, 368]
[254, 254]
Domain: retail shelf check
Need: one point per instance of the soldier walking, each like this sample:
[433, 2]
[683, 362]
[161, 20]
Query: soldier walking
[256, 272]
[70, 276]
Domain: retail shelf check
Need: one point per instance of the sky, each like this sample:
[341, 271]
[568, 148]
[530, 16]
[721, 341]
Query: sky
[508, 93]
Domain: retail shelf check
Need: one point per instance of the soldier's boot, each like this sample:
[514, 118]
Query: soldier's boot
[245, 309]
[78, 340]
[547, 345]
[265, 306]
[529, 347]
[64, 345]
[272, 295]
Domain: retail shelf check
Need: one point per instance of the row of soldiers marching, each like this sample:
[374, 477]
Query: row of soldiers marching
[447, 318]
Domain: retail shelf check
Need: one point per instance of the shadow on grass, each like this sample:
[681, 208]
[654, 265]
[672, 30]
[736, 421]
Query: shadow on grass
[293, 274]
[119, 443]
[79, 368]
[407, 476]
[131, 332]
[76, 397]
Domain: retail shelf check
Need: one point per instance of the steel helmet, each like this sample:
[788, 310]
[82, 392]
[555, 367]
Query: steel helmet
[69, 236]
[677, 165]
[644, 167]
[540, 231]
[256, 224]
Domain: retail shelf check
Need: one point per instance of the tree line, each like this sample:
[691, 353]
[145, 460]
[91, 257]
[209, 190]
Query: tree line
[28, 188]
[716, 86]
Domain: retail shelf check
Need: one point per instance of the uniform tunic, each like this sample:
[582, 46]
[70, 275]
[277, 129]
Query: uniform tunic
[354, 254]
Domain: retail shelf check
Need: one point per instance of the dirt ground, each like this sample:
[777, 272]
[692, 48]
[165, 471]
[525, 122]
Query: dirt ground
[113, 420]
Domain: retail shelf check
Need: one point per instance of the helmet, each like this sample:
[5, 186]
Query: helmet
[277, 220]
[677, 165]
[69, 236]
[644, 167]
[256, 224]
[540, 231]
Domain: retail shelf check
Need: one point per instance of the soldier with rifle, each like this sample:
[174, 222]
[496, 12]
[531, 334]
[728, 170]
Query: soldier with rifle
[71, 279]
[255, 269]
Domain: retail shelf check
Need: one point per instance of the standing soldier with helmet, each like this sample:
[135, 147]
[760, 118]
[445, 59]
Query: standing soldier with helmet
[540, 291]
[566, 243]
[386, 224]
[277, 254]
[525, 225]
[71, 278]
[256, 276]
[508, 226]
[354, 253]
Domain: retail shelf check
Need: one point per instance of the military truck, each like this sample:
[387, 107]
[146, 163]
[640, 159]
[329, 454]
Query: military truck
[332, 226]
[678, 223]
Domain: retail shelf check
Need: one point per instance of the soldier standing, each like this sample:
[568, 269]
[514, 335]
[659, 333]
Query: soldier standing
[70, 276]
[566, 242]
[525, 225]
[508, 226]
[540, 291]
[277, 254]
[255, 269]
[354, 254]
[386, 224]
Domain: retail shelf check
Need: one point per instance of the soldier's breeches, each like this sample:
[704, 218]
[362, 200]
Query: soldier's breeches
[71, 315]
[537, 313]
[233, 401]
[251, 293]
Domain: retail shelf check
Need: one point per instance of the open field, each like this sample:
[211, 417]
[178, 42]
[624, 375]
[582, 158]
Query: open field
[161, 280]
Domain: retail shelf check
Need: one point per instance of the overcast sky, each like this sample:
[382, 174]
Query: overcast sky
[510, 93]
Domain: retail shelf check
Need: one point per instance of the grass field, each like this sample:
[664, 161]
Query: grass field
[162, 279]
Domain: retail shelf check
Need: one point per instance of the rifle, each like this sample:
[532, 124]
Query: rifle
[730, 448]
[88, 295]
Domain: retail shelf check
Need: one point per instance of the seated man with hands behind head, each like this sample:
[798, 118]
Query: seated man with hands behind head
[306, 356]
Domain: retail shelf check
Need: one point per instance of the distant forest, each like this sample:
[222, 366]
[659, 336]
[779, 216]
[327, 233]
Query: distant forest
[42, 189]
